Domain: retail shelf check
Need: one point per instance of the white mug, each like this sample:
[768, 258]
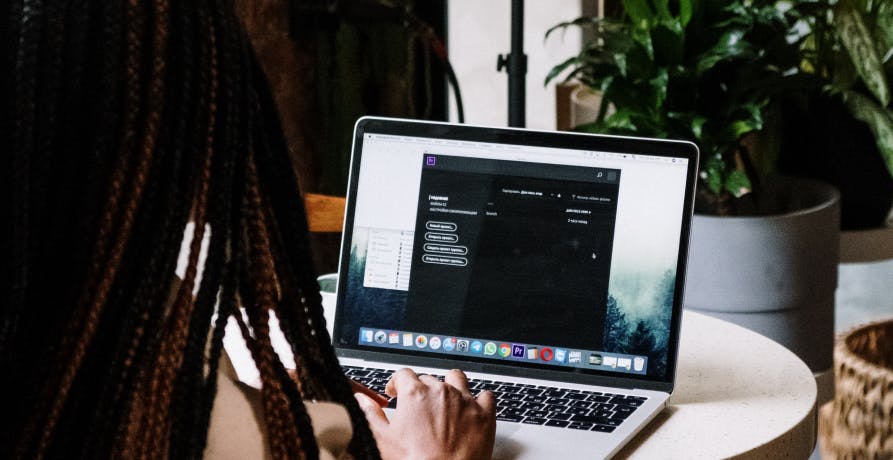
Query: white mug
[327, 288]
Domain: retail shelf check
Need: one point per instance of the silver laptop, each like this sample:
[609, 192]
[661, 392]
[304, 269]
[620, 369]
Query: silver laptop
[547, 265]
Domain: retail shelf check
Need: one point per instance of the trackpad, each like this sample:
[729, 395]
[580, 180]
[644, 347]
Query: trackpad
[507, 444]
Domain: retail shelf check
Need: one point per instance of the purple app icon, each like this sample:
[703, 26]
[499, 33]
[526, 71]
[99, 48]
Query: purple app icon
[430, 160]
[517, 351]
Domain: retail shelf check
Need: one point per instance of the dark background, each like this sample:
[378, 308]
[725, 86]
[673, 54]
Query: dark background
[532, 279]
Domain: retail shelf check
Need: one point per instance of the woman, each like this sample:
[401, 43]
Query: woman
[126, 120]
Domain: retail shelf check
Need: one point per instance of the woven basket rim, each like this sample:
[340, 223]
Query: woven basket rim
[855, 361]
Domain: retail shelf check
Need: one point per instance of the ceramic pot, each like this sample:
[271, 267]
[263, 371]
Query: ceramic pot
[776, 274]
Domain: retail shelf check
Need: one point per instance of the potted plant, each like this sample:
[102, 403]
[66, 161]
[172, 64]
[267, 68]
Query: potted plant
[763, 249]
[842, 131]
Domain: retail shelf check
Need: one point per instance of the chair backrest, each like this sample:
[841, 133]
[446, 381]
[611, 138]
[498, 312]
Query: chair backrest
[325, 213]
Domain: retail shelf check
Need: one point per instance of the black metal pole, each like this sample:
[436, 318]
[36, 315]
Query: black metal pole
[515, 64]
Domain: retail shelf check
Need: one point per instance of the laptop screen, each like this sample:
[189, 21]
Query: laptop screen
[511, 251]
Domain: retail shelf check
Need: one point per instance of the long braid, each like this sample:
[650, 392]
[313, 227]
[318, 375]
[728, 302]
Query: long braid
[24, 91]
[115, 191]
[169, 214]
[191, 376]
[232, 144]
[58, 260]
[156, 99]
[108, 271]
[170, 354]
[227, 305]
[110, 268]
[304, 387]
[157, 254]
[282, 430]
[24, 30]
[307, 387]
[135, 340]
[292, 219]
[48, 108]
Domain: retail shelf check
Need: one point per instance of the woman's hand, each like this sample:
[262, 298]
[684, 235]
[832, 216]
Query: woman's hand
[433, 419]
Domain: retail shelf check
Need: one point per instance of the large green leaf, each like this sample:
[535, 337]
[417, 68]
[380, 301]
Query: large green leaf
[884, 24]
[752, 120]
[713, 174]
[685, 12]
[731, 45]
[583, 21]
[640, 12]
[622, 119]
[737, 183]
[560, 68]
[639, 61]
[883, 31]
[659, 87]
[879, 120]
[668, 38]
[859, 44]
[697, 126]
[663, 9]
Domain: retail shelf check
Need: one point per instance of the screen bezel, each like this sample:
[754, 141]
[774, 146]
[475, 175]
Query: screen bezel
[550, 139]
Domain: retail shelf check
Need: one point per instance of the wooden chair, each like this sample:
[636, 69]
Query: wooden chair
[325, 213]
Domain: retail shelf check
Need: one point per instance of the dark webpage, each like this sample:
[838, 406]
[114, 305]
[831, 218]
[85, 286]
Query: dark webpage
[512, 251]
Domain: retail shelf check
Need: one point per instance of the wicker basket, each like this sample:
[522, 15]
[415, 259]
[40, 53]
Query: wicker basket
[858, 423]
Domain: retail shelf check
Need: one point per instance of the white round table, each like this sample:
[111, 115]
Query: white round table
[738, 394]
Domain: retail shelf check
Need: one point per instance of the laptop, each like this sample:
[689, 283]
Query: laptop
[549, 266]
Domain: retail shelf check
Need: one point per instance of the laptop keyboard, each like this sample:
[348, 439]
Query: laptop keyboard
[533, 404]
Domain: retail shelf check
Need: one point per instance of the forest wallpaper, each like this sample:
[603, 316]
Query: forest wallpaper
[637, 321]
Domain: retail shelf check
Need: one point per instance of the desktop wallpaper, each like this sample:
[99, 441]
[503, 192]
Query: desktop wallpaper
[368, 306]
[637, 319]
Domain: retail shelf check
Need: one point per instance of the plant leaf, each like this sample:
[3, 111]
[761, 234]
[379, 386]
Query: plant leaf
[879, 120]
[697, 126]
[620, 62]
[659, 86]
[858, 42]
[685, 11]
[883, 30]
[663, 9]
[622, 119]
[737, 183]
[560, 68]
[731, 45]
[639, 11]
[713, 175]
[582, 21]
[668, 39]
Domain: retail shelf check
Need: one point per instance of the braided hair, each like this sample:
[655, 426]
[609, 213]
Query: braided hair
[127, 120]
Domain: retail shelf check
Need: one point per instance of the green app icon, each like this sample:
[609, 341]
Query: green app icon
[490, 348]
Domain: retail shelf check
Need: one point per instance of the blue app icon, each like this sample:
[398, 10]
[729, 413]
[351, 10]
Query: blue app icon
[477, 346]
[517, 351]
[560, 355]
[366, 335]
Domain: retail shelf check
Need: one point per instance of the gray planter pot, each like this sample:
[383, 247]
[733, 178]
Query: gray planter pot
[775, 275]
